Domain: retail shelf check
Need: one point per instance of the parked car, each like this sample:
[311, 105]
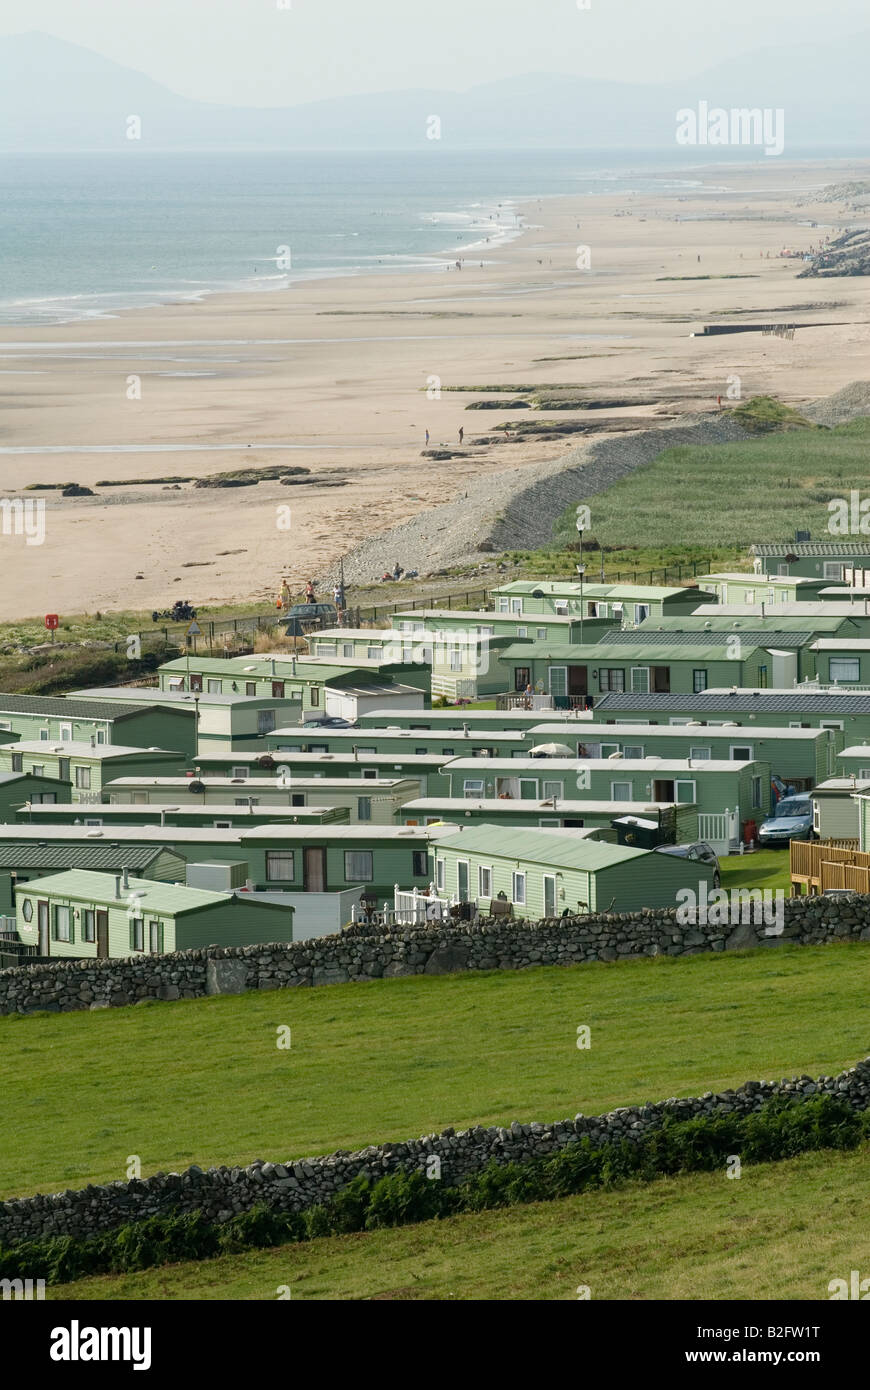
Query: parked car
[307, 617]
[700, 851]
[327, 721]
[792, 820]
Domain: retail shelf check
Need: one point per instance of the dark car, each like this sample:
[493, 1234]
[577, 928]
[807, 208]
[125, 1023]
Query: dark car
[327, 721]
[700, 851]
[307, 617]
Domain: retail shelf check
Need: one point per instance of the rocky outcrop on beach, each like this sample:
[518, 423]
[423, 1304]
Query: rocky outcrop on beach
[849, 254]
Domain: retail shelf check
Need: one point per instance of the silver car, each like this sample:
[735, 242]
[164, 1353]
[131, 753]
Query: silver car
[792, 820]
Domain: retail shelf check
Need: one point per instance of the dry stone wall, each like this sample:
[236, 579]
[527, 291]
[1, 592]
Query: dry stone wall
[367, 953]
[291, 1186]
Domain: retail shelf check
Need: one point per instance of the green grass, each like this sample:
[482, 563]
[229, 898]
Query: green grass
[699, 1236]
[203, 1081]
[764, 868]
[641, 564]
[758, 489]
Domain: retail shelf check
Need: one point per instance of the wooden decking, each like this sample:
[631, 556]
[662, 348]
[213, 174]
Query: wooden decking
[820, 864]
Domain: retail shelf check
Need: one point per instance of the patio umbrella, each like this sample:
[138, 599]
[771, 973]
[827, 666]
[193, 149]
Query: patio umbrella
[551, 750]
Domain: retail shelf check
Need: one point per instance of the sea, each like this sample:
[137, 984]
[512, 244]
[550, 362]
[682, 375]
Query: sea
[86, 236]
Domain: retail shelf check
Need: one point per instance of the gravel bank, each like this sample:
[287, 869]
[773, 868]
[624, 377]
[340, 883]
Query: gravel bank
[518, 508]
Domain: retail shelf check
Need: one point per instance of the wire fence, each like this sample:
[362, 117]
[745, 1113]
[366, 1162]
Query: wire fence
[233, 636]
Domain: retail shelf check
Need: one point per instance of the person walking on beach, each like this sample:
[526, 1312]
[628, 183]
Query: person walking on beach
[427, 439]
[461, 433]
[309, 592]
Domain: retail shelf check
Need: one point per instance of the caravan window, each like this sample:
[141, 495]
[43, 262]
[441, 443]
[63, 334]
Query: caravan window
[279, 865]
[845, 669]
[611, 679]
[357, 865]
[62, 930]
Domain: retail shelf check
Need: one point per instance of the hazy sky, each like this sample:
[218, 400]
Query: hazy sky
[254, 52]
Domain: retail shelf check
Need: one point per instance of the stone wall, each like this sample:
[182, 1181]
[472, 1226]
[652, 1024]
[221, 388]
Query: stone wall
[367, 953]
[221, 1193]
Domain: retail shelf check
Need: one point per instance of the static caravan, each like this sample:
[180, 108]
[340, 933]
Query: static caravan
[724, 794]
[19, 789]
[453, 721]
[550, 873]
[283, 676]
[828, 560]
[132, 722]
[629, 604]
[224, 717]
[87, 767]
[94, 915]
[365, 799]
[222, 817]
[843, 661]
[425, 768]
[799, 757]
[846, 713]
[568, 675]
[750, 589]
[299, 858]
[35, 857]
[676, 824]
[835, 808]
[450, 743]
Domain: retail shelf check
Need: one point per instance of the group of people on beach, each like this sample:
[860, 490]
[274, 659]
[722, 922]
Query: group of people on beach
[461, 435]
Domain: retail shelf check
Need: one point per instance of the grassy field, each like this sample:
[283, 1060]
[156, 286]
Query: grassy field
[761, 489]
[700, 1236]
[204, 1082]
[764, 868]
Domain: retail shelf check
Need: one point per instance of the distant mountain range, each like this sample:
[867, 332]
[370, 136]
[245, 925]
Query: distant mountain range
[58, 96]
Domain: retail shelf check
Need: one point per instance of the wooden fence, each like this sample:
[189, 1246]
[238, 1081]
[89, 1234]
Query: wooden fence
[816, 865]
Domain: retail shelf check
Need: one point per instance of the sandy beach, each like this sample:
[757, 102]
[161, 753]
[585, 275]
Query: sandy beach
[332, 376]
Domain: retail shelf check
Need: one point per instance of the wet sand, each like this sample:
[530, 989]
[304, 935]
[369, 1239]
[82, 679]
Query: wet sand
[341, 377]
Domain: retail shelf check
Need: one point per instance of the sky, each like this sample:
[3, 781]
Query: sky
[280, 52]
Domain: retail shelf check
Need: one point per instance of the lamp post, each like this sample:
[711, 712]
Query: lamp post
[581, 570]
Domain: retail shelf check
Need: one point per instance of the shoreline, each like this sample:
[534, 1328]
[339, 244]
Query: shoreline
[430, 263]
[360, 366]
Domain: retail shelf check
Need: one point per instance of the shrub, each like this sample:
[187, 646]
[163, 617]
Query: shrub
[260, 1228]
[403, 1198]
